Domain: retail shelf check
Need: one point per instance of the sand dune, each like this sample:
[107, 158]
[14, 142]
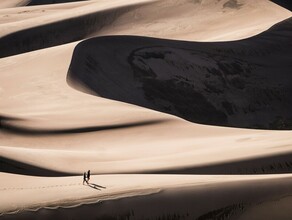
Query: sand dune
[91, 18]
[182, 149]
[55, 166]
[76, 24]
[201, 20]
[146, 164]
[141, 197]
[209, 83]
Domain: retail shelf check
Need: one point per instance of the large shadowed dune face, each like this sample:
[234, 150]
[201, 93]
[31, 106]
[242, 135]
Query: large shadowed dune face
[245, 83]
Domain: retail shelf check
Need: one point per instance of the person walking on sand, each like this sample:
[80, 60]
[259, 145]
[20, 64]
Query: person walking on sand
[84, 178]
[88, 175]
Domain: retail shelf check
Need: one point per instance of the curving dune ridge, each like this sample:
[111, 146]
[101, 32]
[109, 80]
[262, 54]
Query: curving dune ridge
[155, 98]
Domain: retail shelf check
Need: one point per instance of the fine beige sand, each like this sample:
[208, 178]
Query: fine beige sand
[69, 103]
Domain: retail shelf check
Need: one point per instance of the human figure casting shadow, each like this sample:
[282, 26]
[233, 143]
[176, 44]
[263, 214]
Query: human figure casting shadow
[86, 178]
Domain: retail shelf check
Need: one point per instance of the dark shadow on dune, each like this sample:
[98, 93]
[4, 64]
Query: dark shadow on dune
[233, 4]
[45, 2]
[276, 164]
[4, 118]
[16, 167]
[21, 130]
[99, 186]
[246, 83]
[58, 33]
[284, 3]
[95, 186]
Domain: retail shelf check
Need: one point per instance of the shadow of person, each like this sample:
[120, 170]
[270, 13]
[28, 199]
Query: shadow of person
[93, 186]
[98, 186]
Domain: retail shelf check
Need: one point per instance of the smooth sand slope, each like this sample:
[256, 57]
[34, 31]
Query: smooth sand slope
[50, 129]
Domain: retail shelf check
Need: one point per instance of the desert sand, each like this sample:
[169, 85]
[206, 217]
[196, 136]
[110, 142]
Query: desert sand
[181, 109]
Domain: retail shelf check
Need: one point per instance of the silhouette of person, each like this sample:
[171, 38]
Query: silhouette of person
[88, 175]
[84, 178]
